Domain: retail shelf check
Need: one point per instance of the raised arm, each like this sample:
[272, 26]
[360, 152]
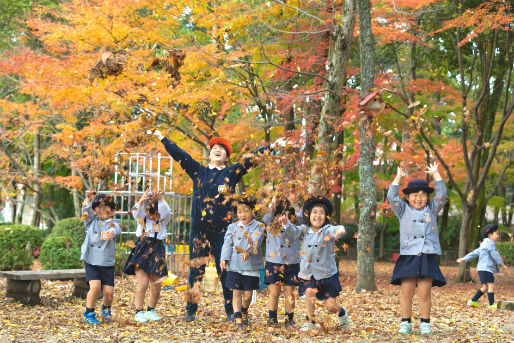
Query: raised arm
[87, 211]
[397, 204]
[337, 231]
[439, 200]
[190, 165]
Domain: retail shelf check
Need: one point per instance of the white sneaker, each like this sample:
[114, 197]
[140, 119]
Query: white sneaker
[307, 326]
[140, 317]
[152, 316]
[344, 321]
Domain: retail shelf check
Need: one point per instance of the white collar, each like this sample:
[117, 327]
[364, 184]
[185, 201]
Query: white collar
[250, 223]
[213, 167]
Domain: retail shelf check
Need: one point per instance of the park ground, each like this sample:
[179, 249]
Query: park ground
[375, 316]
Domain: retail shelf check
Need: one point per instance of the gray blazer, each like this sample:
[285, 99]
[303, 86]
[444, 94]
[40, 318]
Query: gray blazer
[282, 248]
[317, 257]
[245, 238]
[95, 250]
[489, 258]
[418, 228]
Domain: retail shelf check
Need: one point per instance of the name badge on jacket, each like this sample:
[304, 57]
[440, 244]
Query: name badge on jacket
[222, 189]
[427, 217]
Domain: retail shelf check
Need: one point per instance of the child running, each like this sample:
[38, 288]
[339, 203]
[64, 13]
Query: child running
[282, 260]
[98, 253]
[318, 276]
[417, 265]
[242, 258]
[489, 261]
[147, 260]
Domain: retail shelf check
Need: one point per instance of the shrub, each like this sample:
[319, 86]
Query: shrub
[506, 250]
[17, 246]
[72, 228]
[120, 257]
[58, 252]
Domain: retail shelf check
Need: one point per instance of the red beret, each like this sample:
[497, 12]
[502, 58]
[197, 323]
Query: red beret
[221, 141]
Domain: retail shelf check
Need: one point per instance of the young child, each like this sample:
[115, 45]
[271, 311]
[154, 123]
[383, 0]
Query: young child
[417, 265]
[318, 276]
[98, 253]
[147, 260]
[241, 256]
[488, 261]
[282, 260]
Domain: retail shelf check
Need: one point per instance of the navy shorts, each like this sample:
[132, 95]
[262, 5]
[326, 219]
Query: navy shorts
[281, 274]
[241, 282]
[327, 288]
[104, 274]
[485, 277]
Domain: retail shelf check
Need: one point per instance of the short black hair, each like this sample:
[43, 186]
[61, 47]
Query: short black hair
[491, 228]
[151, 206]
[103, 199]
[248, 201]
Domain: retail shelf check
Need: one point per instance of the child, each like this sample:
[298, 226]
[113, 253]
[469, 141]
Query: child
[282, 260]
[98, 253]
[488, 261]
[318, 276]
[242, 258]
[419, 244]
[210, 208]
[147, 259]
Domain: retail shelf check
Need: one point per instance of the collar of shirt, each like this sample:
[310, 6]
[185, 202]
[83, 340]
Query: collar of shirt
[213, 167]
[241, 225]
[312, 231]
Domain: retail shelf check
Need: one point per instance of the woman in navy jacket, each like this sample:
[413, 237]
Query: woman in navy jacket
[211, 206]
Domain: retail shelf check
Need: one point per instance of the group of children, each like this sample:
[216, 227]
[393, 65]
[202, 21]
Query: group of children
[299, 253]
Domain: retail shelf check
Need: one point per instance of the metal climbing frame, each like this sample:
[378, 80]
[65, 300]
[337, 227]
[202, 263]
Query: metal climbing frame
[134, 173]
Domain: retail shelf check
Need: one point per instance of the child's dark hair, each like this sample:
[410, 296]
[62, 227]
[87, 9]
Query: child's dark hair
[248, 201]
[151, 206]
[491, 228]
[283, 206]
[103, 199]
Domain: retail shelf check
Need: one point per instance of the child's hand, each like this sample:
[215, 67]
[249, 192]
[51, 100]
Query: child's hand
[144, 197]
[245, 256]
[505, 268]
[432, 170]
[340, 231]
[460, 260]
[158, 196]
[400, 173]
[156, 133]
[291, 196]
[110, 234]
[223, 265]
[90, 195]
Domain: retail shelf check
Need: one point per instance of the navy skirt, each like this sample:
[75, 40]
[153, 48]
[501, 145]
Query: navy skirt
[149, 256]
[414, 266]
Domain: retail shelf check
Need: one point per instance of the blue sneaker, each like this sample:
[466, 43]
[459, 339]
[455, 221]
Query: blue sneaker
[90, 318]
[152, 316]
[106, 314]
[405, 328]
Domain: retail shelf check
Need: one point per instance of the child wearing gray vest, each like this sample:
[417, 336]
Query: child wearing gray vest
[489, 261]
[417, 265]
[241, 256]
[282, 259]
[98, 251]
[318, 277]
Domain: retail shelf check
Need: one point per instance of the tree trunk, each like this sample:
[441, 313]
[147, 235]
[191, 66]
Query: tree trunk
[36, 171]
[342, 36]
[75, 195]
[467, 218]
[21, 197]
[367, 218]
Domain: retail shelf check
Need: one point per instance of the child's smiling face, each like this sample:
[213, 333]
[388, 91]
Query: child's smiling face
[495, 236]
[244, 213]
[218, 155]
[104, 212]
[418, 200]
[317, 217]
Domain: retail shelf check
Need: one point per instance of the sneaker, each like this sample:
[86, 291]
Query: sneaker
[344, 321]
[90, 318]
[405, 327]
[273, 322]
[473, 303]
[229, 318]
[152, 316]
[245, 318]
[239, 326]
[140, 317]
[190, 316]
[493, 306]
[289, 323]
[307, 326]
[106, 314]
[424, 329]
